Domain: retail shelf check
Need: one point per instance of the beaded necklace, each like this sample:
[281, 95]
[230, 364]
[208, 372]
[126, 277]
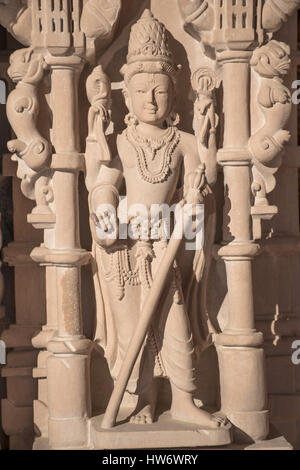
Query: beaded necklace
[145, 146]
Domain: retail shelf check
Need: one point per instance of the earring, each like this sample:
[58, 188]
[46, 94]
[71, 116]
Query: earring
[131, 120]
[173, 119]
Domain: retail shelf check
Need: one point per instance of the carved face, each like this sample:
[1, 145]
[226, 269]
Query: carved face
[150, 97]
[272, 60]
[19, 64]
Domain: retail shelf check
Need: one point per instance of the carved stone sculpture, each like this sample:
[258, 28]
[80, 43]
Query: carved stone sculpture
[157, 162]
[215, 22]
[178, 317]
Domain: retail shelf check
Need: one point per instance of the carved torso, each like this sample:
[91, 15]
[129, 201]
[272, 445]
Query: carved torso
[150, 177]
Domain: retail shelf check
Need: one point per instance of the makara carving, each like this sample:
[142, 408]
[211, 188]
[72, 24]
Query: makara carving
[30, 149]
[266, 146]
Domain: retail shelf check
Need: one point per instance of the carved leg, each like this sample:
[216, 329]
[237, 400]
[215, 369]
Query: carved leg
[178, 357]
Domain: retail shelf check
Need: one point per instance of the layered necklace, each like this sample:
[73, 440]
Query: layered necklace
[148, 147]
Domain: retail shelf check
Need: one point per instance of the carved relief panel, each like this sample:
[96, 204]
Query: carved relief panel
[73, 115]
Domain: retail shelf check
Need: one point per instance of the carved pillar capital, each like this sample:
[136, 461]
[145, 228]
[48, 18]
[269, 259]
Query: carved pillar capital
[235, 25]
[222, 24]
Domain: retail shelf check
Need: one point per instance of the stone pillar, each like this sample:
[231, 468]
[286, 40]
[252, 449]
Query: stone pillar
[239, 346]
[60, 34]
[68, 393]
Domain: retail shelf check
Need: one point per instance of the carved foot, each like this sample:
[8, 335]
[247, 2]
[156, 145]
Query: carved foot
[145, 416]
[192, 414]
[184, 409]
[146, 406]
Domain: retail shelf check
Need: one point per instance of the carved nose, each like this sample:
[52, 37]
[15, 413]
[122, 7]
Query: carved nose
[150, 97]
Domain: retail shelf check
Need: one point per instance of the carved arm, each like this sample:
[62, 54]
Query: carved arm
[103, 204]
[97, 149]
[206, 120]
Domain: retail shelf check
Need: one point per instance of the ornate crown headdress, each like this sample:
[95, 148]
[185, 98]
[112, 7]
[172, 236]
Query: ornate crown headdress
[148, 49]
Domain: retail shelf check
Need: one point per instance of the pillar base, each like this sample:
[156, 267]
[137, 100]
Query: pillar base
[68, 399]
[243, 391]
[249, 426]
[66, 433]
[279, 443]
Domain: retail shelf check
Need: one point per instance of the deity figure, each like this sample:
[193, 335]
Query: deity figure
[151, 162]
